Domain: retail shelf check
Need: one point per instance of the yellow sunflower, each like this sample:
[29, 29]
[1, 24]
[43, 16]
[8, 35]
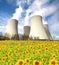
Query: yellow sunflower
[31, 47]
[10, 64]
[27, 60]
[46, 49]
[53, 62]
[0, 47]
[9, 54]
[15, 52]
[36, 62]
[20, 62]
[3, 59]
[54, 56]
[38, 51]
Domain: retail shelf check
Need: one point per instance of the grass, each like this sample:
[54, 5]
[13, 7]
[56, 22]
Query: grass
[29, 52]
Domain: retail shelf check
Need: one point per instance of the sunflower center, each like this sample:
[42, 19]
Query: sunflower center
[36, 63]
[20, 63]
[53, 62]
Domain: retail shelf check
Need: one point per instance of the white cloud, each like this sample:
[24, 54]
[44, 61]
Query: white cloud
[57, 37]
[36, 9]
[20, 29]
[20, 26]
[3, 22]
[19, 2]
[37, 4]
[3, 29]
[54, 23]
[17, 13]
[2, 26]
[45, 11]
[55, 27]
[27, 20]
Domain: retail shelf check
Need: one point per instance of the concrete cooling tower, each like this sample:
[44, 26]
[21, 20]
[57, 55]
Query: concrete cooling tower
[26, 30]
[37, 29]
[12, 27]
[47, 31]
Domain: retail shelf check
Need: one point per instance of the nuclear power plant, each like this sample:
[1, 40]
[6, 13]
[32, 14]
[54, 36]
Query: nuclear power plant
[37, 29]
[26, 30]
[47, 31]
[12, 28]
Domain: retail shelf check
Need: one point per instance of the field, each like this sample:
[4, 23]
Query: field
[29, 52]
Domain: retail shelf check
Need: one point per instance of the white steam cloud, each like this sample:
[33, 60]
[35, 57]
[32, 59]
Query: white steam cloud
[17, 13]
[35, 9]
[26, 20]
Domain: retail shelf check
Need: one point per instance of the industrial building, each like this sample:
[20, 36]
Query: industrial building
[12, 28]
[37, 30]
[47, 31]
[26, 32]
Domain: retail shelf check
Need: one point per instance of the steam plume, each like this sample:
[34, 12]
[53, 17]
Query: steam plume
[17, 13]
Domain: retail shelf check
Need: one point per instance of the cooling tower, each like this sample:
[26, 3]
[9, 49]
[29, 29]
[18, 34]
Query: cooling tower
[37, 29]
[26, 30]
[47, 31]
[12, 27]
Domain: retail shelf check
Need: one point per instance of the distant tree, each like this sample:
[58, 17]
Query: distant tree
[1, 36]
[30, 38]
[25, 37]
[15, 37]
[6, 36]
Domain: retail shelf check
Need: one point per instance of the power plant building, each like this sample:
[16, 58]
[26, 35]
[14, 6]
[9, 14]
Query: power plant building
[26, 30]
[12, 27]
[37, 28]
[47, 31]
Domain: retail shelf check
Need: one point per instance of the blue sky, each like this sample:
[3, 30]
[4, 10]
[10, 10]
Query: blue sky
[22, 10]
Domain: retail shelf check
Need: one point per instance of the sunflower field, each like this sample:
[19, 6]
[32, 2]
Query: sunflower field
[29, 52]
